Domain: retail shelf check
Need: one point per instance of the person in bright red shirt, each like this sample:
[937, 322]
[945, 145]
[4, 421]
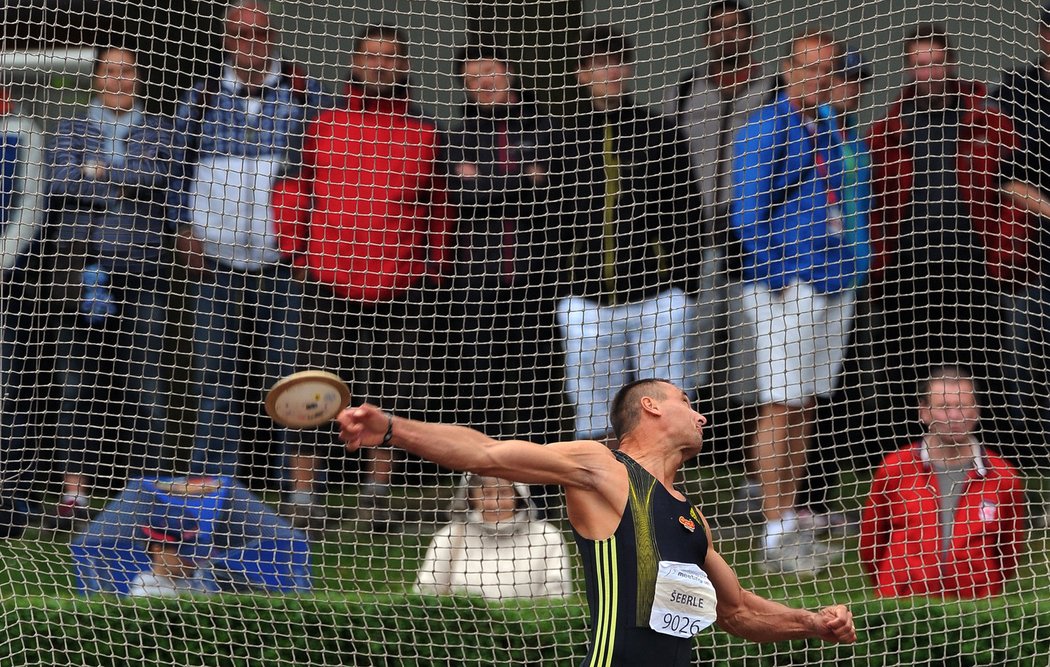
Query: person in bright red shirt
[366, 221]
[945, 516]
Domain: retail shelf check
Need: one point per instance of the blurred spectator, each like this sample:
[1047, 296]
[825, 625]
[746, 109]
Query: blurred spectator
[938, 228]
[366, 219]
[711, 103]
[1025, 97]
[803, 255]
[508, 363]
[28, 338]
[499, 549]
[110, 170]
[170, 544]
[241, 128]
[850, 82]
[945, 516]
[630, 239]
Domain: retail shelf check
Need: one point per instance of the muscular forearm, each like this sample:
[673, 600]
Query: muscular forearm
[761, 620]
[464, 449]
[455, 447]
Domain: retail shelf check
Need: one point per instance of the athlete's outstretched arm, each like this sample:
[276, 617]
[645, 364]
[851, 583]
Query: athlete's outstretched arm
[744, 614]
[570, 464]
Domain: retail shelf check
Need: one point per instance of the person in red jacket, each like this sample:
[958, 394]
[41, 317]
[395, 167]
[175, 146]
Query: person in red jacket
[940, 233]
[366, 221]
[945, 516]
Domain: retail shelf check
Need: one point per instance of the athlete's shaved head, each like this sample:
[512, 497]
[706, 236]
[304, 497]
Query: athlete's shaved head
[626, 406]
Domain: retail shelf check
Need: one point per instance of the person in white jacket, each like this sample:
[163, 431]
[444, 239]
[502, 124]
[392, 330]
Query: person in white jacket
[497, 549]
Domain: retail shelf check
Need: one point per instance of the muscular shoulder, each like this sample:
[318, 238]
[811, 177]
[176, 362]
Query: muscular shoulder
[593, 456]
[595, 509]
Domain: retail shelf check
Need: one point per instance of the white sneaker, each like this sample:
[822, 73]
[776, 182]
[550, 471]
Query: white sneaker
[835, 525]
[800, 553]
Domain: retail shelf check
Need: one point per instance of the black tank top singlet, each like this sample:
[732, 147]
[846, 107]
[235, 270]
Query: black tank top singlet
[620, 574]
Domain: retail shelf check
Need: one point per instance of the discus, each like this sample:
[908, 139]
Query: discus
[307, 399]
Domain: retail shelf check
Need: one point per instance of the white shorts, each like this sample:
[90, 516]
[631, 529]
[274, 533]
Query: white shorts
[795, 339]
[608, 346]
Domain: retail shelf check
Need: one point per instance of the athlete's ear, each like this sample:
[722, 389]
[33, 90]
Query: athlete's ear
[650, 405]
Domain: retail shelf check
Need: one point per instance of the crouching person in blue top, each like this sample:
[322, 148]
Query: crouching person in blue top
[174, 570]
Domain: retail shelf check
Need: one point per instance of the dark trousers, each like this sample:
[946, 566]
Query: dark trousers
[507, 372]
[923, 314]
[507, 369]
[384, 351]
[114, 399]
[30, 320]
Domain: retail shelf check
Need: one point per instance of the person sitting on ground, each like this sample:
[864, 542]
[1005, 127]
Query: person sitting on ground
[945, 516]
[497, 549]
[174, 569]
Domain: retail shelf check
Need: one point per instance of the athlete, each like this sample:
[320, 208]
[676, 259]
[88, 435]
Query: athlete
[653, 577]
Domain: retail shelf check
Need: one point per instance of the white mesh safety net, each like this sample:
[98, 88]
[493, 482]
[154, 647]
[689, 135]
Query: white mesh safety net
[819, 223]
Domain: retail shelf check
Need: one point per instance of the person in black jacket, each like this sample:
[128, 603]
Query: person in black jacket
[630, 233]
[499, 161]
[1024, 96]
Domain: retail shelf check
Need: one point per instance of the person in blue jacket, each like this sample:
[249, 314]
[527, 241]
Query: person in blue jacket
[852, 80]
[801, 257]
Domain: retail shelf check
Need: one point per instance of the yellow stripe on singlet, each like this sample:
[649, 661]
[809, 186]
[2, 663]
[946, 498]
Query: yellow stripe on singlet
[608, 591]
[614, 599]
[598, 658]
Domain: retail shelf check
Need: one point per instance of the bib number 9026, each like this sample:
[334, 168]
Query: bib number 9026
[684, 600]
[682, 625]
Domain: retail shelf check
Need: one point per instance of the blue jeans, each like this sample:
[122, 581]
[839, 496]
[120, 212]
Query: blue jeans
[245, 334]
[114, 390]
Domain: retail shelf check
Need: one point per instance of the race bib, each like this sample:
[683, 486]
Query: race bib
[685, 600]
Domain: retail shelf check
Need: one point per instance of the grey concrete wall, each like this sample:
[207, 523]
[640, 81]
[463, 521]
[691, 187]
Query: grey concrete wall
[320, 34]
[990, 34]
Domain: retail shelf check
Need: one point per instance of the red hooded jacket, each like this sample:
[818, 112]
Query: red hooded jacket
[367, 213]
[900, 537]
[986, 136]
